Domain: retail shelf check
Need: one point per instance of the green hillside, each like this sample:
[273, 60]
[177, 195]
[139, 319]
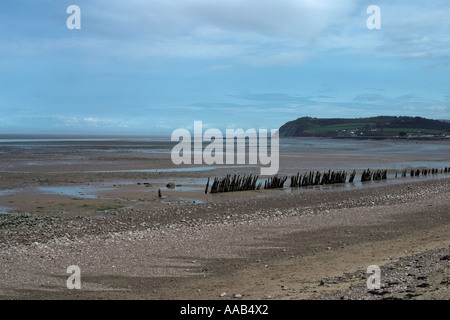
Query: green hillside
[375, 127]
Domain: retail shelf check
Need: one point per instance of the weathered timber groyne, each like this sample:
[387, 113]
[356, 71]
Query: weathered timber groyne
[312, 178]
[275, 182]
[234, 183]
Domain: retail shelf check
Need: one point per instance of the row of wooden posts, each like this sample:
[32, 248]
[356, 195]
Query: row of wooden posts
[368, 175]
[424, 172]
[316, 178]
[235, 182]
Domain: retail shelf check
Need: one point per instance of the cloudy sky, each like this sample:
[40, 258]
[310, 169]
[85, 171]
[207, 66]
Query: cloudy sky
[152, 66]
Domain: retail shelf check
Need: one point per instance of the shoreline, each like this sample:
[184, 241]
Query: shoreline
[310, 242]
[208, 245]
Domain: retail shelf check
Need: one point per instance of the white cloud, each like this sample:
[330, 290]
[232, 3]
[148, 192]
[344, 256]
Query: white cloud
[254, 32]
[180, 18]
[259, 33]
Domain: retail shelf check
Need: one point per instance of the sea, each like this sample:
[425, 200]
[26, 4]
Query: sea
[26, 152]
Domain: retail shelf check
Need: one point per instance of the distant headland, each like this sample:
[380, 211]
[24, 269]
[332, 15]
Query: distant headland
[382, 127]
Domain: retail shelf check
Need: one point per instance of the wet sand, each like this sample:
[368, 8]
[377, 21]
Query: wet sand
[59, 177]
[103, 214]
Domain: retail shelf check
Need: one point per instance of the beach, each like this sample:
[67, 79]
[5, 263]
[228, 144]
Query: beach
[94, 204]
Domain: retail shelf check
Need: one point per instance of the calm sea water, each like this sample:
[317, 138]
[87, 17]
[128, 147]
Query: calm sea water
[296, 154]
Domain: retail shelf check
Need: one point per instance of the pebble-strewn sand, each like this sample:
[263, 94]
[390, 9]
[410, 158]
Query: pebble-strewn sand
[310, 245]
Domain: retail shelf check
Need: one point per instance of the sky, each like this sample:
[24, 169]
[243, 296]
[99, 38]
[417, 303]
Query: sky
[153, 66]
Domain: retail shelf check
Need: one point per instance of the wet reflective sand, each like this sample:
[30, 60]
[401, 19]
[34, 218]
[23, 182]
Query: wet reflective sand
[85, 175]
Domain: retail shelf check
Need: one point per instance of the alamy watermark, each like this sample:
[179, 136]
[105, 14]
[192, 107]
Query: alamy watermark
[74, 280]
[374, 21]
[374, 281]
[73, 22]
[223, 150]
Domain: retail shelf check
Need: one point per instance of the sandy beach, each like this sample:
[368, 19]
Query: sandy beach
[223, 152]
[304, 243]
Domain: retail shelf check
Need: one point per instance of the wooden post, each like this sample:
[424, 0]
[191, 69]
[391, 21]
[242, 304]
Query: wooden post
[207, 185]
